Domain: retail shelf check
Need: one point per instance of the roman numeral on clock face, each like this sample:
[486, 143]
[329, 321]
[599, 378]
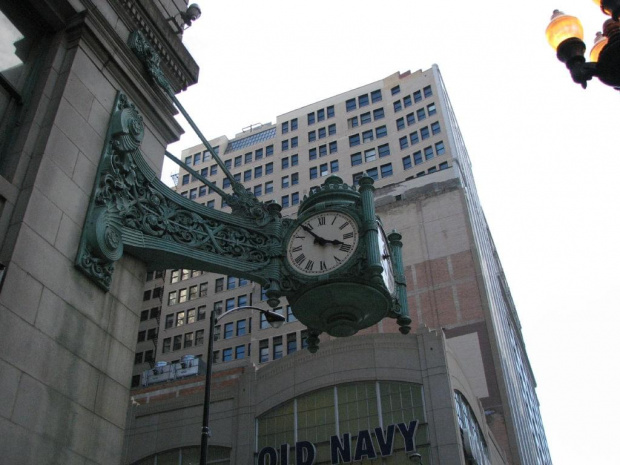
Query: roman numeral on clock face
[300, 259]
[296, 249]
[321, 221]
[348, 235]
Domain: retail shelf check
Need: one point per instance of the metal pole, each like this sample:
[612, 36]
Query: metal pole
[204, 438]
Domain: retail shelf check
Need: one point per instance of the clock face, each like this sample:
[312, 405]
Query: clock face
[322, 243]
[386, 261]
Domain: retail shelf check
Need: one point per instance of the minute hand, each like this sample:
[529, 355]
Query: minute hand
[317, 238]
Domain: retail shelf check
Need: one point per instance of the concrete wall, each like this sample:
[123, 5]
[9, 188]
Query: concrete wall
[66, 347]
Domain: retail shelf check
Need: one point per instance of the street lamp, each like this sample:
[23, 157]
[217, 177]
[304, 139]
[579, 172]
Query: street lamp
[274, 319]
[565, 35]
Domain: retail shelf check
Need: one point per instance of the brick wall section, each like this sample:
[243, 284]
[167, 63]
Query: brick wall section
[443, 292]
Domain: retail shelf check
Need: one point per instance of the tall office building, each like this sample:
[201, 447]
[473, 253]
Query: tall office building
[461, 377]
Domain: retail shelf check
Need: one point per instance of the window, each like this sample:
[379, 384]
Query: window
[144, 315]
[381, 131]
[285, 127]
[193, 194]
[242, 300]
[239, 352]
[427, 91]
[176, 345]
[188, 160]
[425, 133]
[320, 114]
[368, 136]
[333, 147]
[417, 157]
[258, 190]
[294, 160]
[356, 159]
[311, 118]
[269, 168]
[373, 173]
[375, 96]
[435, 128]
[370, 155]
[285, 182]
[258, 154]
[211, 204]
[428, 153]
[443, 165]
[289, 315]
[384, 150]
[180, 318]
[324, 170]
[363, 100]
[294, 179]
[269, 187]
[365, 118]
[284, 145]
[269, 150]
[258, 172]
[185, 179]
[312, 154]
[331, 129]
[228, 330]
[395, 90]
[227, 354]
[333, 166]
[294, 198]
[354, 122]
[231, 283]
[285, 163]
[138, 358]
[191, 316]
[314, 172]
[193, 292]
[400, 124]
[218, 307]
[241, 329]
[432, 169]
[188, 340]
[228, 164]
[200, 337]
[397, 106]
[414, 137]
[263, 348]
[386, 170]
[174, 276]
[357, 177]
[421, 114]
[404, 143]
[417, 96]
[141, 336]
[202, 312]
[219, 284]
[294, 124]
[322, 133]
[225, 183]
[230, 304]
[169, 321]
[440, 148]
[294, 142]
[172, 298]
[184, 274]
[148, 356]
[182, 295]
[431, 109]
[330, 111]
[285, 201]
[407, 162]
[277, 347]
[351, 104]
[322, 150]
[378, 114]
[202, 191]
[166, 346]
[238, 161]
[407, 101]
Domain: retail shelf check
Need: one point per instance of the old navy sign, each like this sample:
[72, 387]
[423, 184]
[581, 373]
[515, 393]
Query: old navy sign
[340, 448]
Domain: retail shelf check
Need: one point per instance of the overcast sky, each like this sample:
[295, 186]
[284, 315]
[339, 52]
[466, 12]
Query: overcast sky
[544, 154]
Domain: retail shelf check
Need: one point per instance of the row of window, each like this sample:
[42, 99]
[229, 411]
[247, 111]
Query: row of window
[150, 275]
[147, 335]
[424, 133]
[152, 294]
[144, 357]
[148, 314]
[185, 317]
[200, 157]
[289, 200]
[249, 157]
[384, 170]
[183, 274]
[417, 95]
[411, 117]
[322, 150]
[366, 118]
[319, 115]
[421, 156]
[367, 136]
[286, 125]
[183, 341]
[188, 293]
[364, 100]
[322, 133]
[257, 172]
[204, 172]
[293, 160]
[324, 169]
[432, 169]
[370, 155]
[290, 143]
[278, 349]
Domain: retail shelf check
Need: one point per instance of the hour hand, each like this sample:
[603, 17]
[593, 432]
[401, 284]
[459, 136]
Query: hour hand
[318, 239]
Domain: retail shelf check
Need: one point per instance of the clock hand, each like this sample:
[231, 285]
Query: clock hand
[318, 239]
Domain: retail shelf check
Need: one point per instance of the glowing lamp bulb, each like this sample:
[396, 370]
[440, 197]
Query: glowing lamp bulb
[563, 27]
[599, 43]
